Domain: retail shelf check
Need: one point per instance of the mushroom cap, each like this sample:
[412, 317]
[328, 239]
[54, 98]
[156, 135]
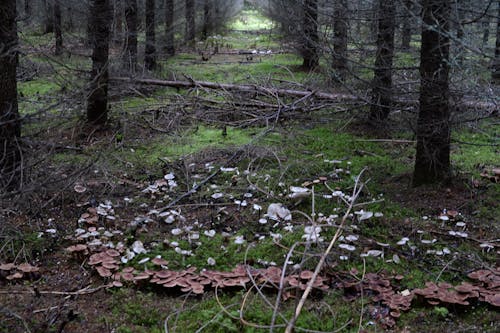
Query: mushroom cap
[27, 268]
[77, 248]
[7, 267]
[15, 276]
[159, 261]
[103, 271]
[112, 253]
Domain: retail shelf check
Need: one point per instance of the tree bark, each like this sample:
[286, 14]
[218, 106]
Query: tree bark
[150, 51]
[486, 30]
[10, 125]
[130, 52]
[57, 28]
[406, 31]
[190, 22]
[207, 19]
[97, 100]
[311, 38]
[27, 8]
[340, 30]
[495, 75]
[382, 80]
[432, 161]
[48, 19]
[169, 27]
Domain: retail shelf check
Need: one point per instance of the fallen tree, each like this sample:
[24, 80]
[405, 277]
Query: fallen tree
[249, 88]
[491, 108]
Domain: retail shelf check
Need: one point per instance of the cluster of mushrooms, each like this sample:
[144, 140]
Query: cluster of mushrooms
[13, 272]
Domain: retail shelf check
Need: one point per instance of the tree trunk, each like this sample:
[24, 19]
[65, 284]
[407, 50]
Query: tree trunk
[97, 100]
[150, 51]
[27, 8]
[130, 53]
[207, 19]
[10, 125]
[432, 161]
[486, 31]
[382, 80]
[340, 30]
[169, 27]
[495, 75]
[69, 20]
[57, 28]
[48, 19]
[459, 13]
[406, 31]
[190, 22]
[311, 38]
[117, 22]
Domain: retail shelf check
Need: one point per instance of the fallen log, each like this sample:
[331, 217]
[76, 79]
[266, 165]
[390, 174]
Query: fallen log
[250, 88]
[490, 107]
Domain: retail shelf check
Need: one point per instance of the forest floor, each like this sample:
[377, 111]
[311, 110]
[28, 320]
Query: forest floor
[277, 179]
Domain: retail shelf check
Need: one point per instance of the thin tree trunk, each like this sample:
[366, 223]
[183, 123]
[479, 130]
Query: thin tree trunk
[49, 16]
[10, 125]
[432, 161]
[169, 27]
[311, 38]
[486, 30]
[207, 19]
[150, 51]
[97, 100]
[406, 31]
[70, 24]
[460, 31]
[117, 22]
[190, 22]
[340, 30]
[496, 61]
[382, 80]
[130, 52]
[57, 27]
[27, 8]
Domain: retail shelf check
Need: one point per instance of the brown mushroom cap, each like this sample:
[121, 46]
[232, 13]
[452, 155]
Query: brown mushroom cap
[103, 271]
[7, 267]
[15, 276]
[77, 248]
[128, 269]
[159, 262]
[112, 253]
[27, 268]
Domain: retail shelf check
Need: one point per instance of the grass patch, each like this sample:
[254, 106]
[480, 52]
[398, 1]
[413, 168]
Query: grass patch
[251, 19]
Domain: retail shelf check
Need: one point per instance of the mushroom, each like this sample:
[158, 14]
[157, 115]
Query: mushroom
[103, 271]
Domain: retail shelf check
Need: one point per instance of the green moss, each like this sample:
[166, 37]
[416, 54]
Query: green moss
[37, 87]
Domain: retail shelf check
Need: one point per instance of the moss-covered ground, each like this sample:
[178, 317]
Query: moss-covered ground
[157, 132]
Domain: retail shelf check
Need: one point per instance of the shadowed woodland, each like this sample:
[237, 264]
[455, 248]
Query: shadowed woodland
[249, 166]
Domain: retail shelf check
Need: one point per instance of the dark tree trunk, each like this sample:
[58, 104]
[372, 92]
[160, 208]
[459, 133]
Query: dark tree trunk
[207, 19]
[10, 126]
[97, 100]
[48, 19]
[150, 51]
[311, 38]
[432, 161]
[496, 61]
[459, 13]
[69, 20]
[169, 27]
[190, 22]
[117, 22]
[57, 27]
[27, 8]
[406, 31]
[382, 80]
[340, 30]
[130, 52]
[486, 30]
